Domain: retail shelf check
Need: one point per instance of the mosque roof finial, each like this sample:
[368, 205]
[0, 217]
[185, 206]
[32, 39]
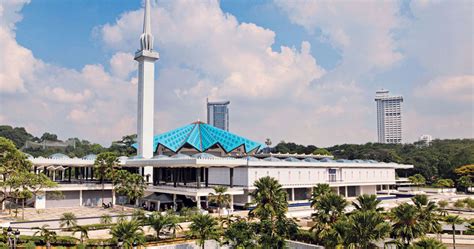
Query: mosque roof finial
[146, 39]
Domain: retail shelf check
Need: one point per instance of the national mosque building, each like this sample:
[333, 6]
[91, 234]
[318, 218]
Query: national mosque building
[182, 166]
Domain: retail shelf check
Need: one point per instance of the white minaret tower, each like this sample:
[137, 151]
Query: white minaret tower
[146, 58]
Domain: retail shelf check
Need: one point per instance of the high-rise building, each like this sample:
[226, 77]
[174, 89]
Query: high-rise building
[389, 117]
[218, 114]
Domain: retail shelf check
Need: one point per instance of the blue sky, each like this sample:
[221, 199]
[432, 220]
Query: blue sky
[312, 68]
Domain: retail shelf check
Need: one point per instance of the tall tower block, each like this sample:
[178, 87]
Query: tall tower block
[146, 58]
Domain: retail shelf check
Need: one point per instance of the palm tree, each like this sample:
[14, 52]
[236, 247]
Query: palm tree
[406, 225]
[367, 202]
[428, 243]
[47, 235]
[318, 191]
[220, 198]
[160, 222]
[328, 210]
[105, 219]
[204, 227]
[68, 220]
[454, 220]
[270, 199]
[104, 167]
[466, 182]
[366, 227]
[129, 232]
[417, 180]
[174, 225]
[84, 232]
[428, 213]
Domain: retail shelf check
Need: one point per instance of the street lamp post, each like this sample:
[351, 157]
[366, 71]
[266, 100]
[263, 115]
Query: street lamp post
[16, 238]
[9, 234]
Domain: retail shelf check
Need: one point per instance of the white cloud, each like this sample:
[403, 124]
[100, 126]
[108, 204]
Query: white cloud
[281, 94]
[362, 31]
[440, 36]
[94, 103]
[458, 89]
[122, 65]
[62, 95]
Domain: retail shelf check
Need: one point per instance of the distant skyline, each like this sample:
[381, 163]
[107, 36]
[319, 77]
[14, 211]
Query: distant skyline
[298, 71]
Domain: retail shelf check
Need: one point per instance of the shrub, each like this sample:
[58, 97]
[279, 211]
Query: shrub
[30, 245]
[3, 246]
[105, 219]
[459, 204]
[80, 246]
[469, 202]
[443, 203]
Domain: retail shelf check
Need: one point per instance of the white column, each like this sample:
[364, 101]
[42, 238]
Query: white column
[80, 197]
[198, 202]
[174, 202]
[345, 192]
[292, 194]
[232, 203]
[113, 197]
[54, 175]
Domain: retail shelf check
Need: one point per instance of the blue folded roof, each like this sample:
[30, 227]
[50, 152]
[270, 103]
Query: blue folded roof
[201, 137]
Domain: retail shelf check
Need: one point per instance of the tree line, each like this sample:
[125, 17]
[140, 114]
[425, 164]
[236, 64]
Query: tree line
[436, 160]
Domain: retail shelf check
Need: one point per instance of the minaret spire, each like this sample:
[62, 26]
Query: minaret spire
[146, 58]
[146, 39]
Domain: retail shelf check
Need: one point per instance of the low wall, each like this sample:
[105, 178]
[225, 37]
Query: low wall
[427, 190]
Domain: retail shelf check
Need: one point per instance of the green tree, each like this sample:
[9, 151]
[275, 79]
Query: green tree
[46, 235]
[241, 234]
[13, 164]
[417, 180]
[129, 232]
[428, 243]
[204, 227]
[367, 202]
[105, 164]
[68, 220]
[429, 214]
[445, 183]
[406, 225]
[269, 198]
[364, 228]
[271, 204]
[465, 182]
[220, 198]
[129, 184]
[318, 191]
[105, 219]
[84, 232]
[328, 210]
[17, 135]
[454, 220]
[322, 151]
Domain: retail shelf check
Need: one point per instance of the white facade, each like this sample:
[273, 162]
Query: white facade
[389, 117]
[426, 139]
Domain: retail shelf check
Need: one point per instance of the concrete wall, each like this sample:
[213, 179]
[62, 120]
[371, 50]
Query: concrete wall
[222, 176]
[370, 190]
[68, 199]
[289, 177]
[94, 197]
